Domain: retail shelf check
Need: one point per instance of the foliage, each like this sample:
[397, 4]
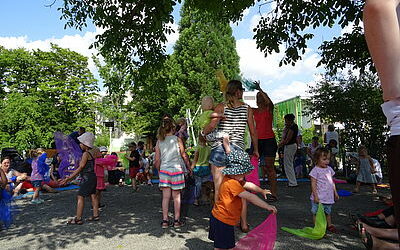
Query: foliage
[135, 31]
[43, 92]
[355, 103]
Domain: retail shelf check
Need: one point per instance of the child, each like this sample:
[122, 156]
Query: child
[181, 129]
[88, 179]
[227, 210]
[39, 169]
[207, 105]
[201, 167]
[299, 163]
[365, 169]
[169, 153]
[134, 163]
[322, 186]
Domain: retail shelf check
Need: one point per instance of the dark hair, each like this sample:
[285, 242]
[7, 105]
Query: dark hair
[140, 143]
[5, 158]
[113, 153]
[331, 127]
[315, 138]
[289, 117]
[319, 153]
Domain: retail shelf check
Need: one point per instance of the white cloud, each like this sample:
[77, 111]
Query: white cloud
[254, 65]
[349, 28]
[173, 37]
[77, 43]
[296, 88]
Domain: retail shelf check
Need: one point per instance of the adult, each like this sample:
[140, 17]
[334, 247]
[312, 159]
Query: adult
[237, 115]
[133, 157]
[288, 141]
[74, 135]
[15, 179]
[267, 146]
[382, 32]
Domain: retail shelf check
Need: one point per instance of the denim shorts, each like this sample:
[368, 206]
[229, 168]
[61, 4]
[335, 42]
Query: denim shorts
[218, 155]
[327, 208]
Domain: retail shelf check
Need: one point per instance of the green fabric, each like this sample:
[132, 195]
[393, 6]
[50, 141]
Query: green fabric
[315, 233]
[204, 155]
[205, 118]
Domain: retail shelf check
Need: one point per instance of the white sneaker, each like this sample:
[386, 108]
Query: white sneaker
[36, 201]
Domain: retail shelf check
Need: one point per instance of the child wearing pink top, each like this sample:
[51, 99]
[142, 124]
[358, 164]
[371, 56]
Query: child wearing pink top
[322, 186]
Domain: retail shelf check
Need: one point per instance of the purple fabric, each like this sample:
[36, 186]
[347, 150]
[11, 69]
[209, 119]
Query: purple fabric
[70, 153]
[35, 175]
[325, 184]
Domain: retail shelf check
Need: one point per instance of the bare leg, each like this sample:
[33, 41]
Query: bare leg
[165, 202]
[79, 206]
[95, 205]
[217, 177]
[374, 191]
[328, 220]
[313, 219]
[49, 189]
[357, 188]
[176, 196]
[98, 196]
[269, 161]
[36, 193]
[387, 233]
[243, 217]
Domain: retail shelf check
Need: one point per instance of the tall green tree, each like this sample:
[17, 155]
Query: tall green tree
[136, 30]
[354, 102]
[204, 45]
[43, 92]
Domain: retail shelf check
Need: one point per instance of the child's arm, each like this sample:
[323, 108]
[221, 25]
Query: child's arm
[371, 164]
[129, 158]
[257, 201]
[196, 158]
[254, 188]
[214, 121]
[184, 155]
[157, 157]
[314, 189]
[217, 115]
[82, 164]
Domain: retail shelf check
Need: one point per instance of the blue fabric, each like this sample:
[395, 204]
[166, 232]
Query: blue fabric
[43, 168]
[6, 214]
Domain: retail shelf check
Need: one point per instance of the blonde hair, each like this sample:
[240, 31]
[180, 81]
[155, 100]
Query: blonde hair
[167, 126]
[207, 103]
[231, 89]
[181, 120]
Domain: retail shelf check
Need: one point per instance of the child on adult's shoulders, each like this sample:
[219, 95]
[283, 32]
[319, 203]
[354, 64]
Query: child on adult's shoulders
[227, 209]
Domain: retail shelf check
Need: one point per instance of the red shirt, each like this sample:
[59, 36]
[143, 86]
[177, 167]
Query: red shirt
[263, 124]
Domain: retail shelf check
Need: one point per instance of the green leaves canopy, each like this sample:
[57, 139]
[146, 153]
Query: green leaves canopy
[43, 92]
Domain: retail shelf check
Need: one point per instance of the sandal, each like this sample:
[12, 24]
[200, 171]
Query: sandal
[178, 223]
[332, 229]
[164, 224]
[93, 218]
[75, 221]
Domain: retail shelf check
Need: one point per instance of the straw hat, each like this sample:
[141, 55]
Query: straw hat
[87, 139]
[238, 162]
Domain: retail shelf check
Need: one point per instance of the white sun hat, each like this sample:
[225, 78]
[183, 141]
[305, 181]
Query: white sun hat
[87, 139]
[103, 149]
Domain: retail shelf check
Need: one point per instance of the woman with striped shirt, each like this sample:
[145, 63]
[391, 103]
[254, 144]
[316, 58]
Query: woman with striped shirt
[237, 115]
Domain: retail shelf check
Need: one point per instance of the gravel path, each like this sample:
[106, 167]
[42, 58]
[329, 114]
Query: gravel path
[132, 221]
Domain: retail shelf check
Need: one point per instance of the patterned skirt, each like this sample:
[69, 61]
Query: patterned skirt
[172, 178]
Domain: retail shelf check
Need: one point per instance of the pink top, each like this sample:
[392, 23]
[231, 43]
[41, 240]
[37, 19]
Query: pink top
[264, 124]
[109, 162]
[325, 185]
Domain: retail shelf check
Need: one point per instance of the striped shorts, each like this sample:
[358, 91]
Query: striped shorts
[171, 179]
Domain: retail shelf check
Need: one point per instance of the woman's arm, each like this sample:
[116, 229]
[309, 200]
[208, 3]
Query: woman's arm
[214, 120]
[287, 138]
[253, 131]
[3, 179]
[184, 155]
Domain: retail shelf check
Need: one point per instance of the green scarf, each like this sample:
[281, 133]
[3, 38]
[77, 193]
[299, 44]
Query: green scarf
[315, 233]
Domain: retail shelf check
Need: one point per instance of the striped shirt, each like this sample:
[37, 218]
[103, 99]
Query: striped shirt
[234, 125]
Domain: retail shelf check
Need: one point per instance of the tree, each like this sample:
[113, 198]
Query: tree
[43, 92]
[136, 30]
[355, 103]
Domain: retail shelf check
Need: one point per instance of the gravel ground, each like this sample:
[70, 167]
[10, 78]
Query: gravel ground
[132, 221]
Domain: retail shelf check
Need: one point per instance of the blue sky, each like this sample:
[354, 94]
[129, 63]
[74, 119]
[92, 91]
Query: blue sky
[28, 23]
